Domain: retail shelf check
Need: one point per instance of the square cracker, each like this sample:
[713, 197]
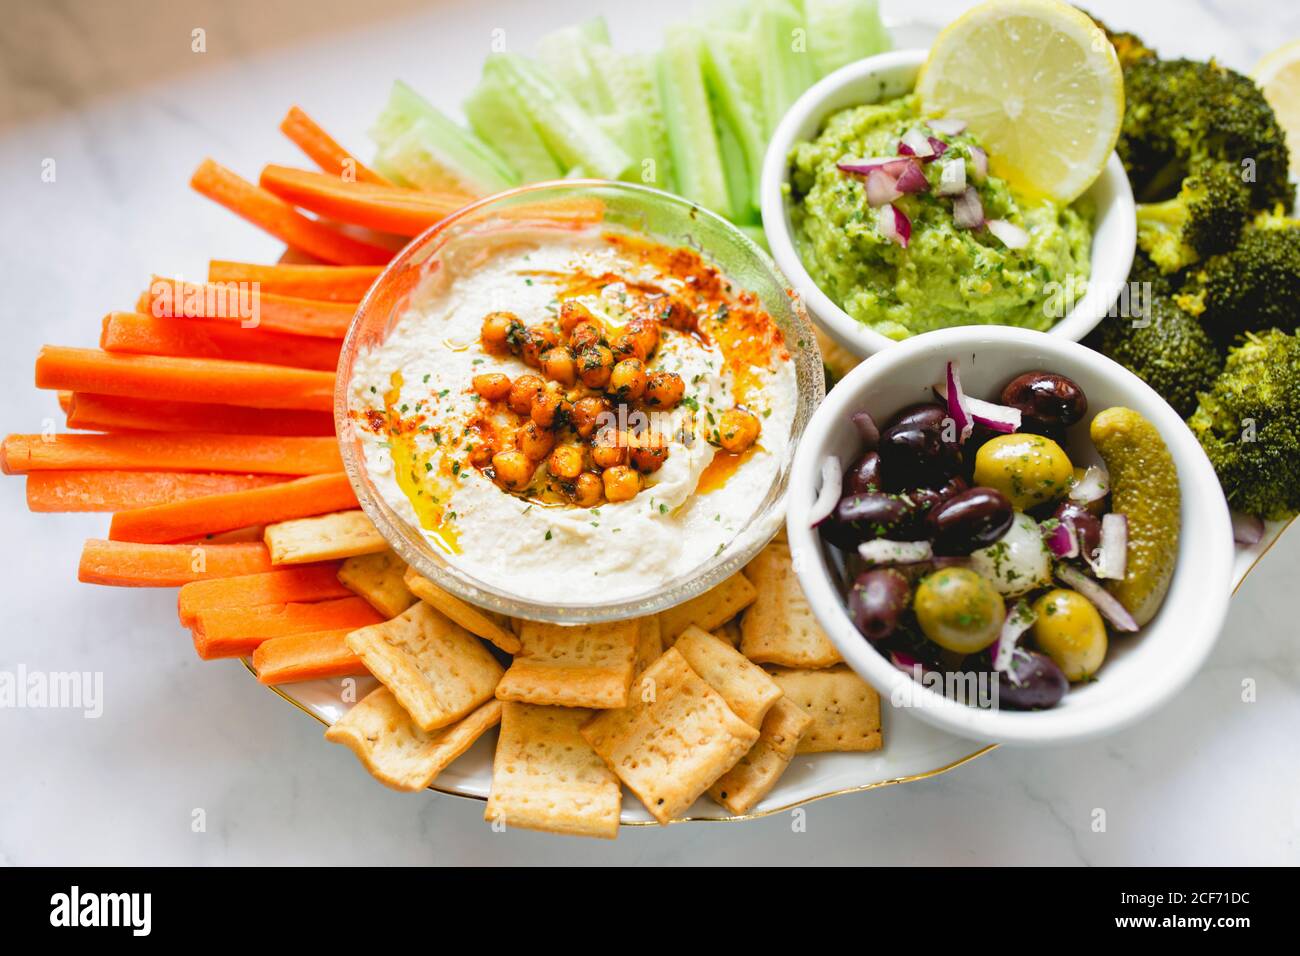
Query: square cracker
[588, 665]
[466, 615]
[746, 687]
[378, 579]
[710, 610]
[844, 708]
[749, 781]
[398, 753]
[779, 627]
[673, 740]
[342, 534]
[649, 644]
[546, 777]
[435, 668]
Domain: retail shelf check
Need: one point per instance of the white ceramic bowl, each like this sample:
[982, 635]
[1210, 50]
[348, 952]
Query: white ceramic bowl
[890, 75]
[1142, 670]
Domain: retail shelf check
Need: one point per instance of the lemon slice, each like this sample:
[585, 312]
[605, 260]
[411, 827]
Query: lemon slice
[1039, 83]
[1278, 75]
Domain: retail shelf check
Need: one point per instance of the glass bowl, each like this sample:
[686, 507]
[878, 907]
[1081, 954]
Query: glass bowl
[605, 206]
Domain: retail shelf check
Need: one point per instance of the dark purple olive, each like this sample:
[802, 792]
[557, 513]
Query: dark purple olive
[1032, 682]
[859, 518]
[877, 601]
[1085, 523]
[1046, 397]
[867, 430]
[926, 500]
[970, 520]
[920, 447]
[864, 477]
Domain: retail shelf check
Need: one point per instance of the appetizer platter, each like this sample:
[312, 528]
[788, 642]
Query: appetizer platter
[491, 472]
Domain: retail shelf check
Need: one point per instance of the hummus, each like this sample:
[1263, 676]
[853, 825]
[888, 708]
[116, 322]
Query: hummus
[460, 457]
[945, 275]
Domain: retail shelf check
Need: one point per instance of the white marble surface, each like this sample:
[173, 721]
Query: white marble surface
[111, 92]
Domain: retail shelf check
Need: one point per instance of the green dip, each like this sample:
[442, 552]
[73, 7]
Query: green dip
[946, 276]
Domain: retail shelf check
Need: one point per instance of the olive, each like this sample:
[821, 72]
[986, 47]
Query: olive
[859, 518]
[1031, 682]
[920, 446]
[1046, 397]
[969, 520]
[1069, 630]
[959, 610]
[877, 601]
[867, 430]
[1029, 469]
[1086, 525]
[864, 476]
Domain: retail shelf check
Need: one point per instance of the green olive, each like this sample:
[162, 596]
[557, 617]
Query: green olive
[1071, 632]
[959, 610]
[1029, 469]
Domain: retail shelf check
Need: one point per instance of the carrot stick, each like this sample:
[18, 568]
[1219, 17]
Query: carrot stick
[182, 520]
[307, 582]
[167, 565]
[249, 308]
[121, 490]
[203, 338]
[144, 451]
[235, 631]
[91, 412]
[329, 283]
[406, 212]
[323, 150]
[274, 215]
[252, 532]
[184, 379]
[65, 401]
[311, 656]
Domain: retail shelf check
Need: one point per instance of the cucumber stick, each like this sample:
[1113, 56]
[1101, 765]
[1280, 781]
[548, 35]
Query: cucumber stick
[732, 77]
[420, 147]
[697, 159]
[639, 118]
[573, 137]
[565, 56]
[500, 120]
[781, 46]
[842, 31]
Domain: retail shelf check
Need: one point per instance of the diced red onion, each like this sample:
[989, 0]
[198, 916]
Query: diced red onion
[1093, 486]
[1103, 600]
[952, 179]
[890, 164]
[1247, 529]
[998, 418]
[979, 161]
[868, 431]
[912, 180]
[1111, 560]
[829, 494]
[947, 127]
[1017, 622]
[1064, 539]
[915, 143]
[882, 188]
[894, 225]
[884, 551]
[968, 210]
[1012, 236]
[908, 664]
[938, 145]
[958, 407]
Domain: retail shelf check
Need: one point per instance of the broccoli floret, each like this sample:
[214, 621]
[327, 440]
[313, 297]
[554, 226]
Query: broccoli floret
[1249, 425]
[1167, 349]
[1252, 287]
[1181, 114]
[1205, 217]
[1128, 47]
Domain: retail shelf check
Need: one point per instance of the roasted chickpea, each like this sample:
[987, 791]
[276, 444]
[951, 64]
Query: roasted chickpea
[536, 340]
[664, 389]
[534, 440]
[646, 332]
[585, 335]
[558, 365]
[513, 469]
[648, 453]
[676, 314]
[493, 386]
[737, 430]
[625, 345]
[500, 332]
[588, 490]
[565, 461]
[480, 455]
[628, 379]
[523, 391]
[621, 483]
[551, 409]
[609, 449]
[572, 313]
[594, 365]
[586, 414]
